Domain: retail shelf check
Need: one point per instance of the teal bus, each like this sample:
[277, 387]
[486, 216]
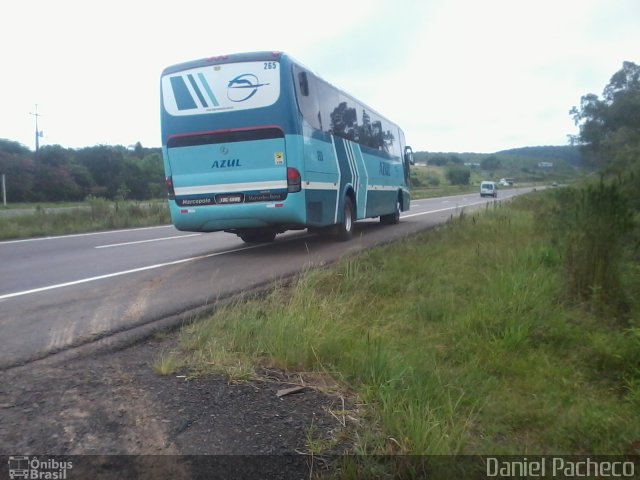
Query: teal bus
[255, 144]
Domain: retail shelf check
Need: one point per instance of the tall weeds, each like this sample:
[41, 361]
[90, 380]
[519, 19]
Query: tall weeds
[590, 225]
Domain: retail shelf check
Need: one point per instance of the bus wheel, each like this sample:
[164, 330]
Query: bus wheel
[392, 218]
[257, 237]
[345, 229]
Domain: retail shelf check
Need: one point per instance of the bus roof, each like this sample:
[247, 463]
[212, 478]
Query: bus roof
[261, 56]
[221, 59]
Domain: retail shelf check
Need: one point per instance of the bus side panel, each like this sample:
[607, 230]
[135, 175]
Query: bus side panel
[406, 199]
[333, 168]
[386, 179]
[321, 207]
[381, 201]
[348, 177]
[321, 180]
[362, 186]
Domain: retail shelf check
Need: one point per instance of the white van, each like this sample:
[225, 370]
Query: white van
[488, 189]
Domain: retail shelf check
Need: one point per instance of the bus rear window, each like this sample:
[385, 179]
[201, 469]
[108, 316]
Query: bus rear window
[221, 88]
[224, 137]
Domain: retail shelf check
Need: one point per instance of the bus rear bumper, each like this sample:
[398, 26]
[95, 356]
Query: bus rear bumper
[282, 216]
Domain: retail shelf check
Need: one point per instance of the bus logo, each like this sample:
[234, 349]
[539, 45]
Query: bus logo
[243, 87]
[234, 162]
[19, 467]
[32, 467]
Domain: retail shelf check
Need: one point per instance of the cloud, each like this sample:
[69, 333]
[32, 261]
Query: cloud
[455, 75]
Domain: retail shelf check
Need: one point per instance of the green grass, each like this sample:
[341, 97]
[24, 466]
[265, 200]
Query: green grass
[95, 214]
[457, 341]
[167, 363]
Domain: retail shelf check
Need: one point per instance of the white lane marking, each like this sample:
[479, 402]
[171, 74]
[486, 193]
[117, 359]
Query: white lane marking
[6, 242]
[439, 210]
[127, 272]
[177, 262]
[146, 241]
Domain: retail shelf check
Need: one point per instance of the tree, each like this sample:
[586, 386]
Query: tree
[19, 171]
[490, 163]
[458, 175]
[9, 146]
[610, 127]
[138, 150]
[106, 166]
[82, 177]
[154, 173]
[438, 160]
[54, 156]
[56, 173]
[55, 183]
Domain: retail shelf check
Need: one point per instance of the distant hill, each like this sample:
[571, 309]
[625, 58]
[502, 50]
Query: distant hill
[545, 163]
[567, 153]
[523, 156]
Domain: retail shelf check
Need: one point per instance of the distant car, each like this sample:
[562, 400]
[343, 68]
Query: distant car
[503, 182]
[488, 189]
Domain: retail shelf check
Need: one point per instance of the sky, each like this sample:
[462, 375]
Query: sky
[455, 75]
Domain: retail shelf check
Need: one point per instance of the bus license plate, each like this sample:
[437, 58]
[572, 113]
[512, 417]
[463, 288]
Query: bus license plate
[224, 199]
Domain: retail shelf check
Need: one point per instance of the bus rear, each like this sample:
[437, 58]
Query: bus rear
[225, 124]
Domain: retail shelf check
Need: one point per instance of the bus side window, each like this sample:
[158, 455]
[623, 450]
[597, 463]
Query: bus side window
[307, 96]
[304, 84]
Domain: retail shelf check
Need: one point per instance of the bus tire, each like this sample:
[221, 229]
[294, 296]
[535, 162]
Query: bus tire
[345, 228]
[258, 237]
[392, 218]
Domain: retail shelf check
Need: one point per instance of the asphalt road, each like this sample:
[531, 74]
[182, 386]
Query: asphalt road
[60, 293]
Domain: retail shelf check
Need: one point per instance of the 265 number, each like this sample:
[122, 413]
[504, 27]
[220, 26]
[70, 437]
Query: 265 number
[270, 65]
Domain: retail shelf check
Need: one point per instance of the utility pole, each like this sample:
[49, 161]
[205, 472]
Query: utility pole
[4, 191]
[38, 132]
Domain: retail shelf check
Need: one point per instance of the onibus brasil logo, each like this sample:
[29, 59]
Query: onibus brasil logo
[37, 469]
[243, 87]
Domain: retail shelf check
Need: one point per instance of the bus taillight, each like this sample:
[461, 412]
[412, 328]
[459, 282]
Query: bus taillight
[171, 194]
[294, 183]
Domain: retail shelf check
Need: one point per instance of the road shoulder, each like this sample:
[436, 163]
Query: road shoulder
[113, 403]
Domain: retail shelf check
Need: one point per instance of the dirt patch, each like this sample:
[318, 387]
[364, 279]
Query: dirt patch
[114, 404]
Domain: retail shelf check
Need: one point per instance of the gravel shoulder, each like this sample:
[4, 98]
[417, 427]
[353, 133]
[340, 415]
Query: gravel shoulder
[112, 404]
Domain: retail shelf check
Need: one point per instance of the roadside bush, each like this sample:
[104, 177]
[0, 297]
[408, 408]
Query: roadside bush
[99, 207]
[416, 181]
[458, 175]
[433, 181]
[590, 225]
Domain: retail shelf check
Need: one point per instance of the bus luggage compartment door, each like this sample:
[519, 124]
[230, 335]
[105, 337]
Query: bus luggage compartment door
[228, 167]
